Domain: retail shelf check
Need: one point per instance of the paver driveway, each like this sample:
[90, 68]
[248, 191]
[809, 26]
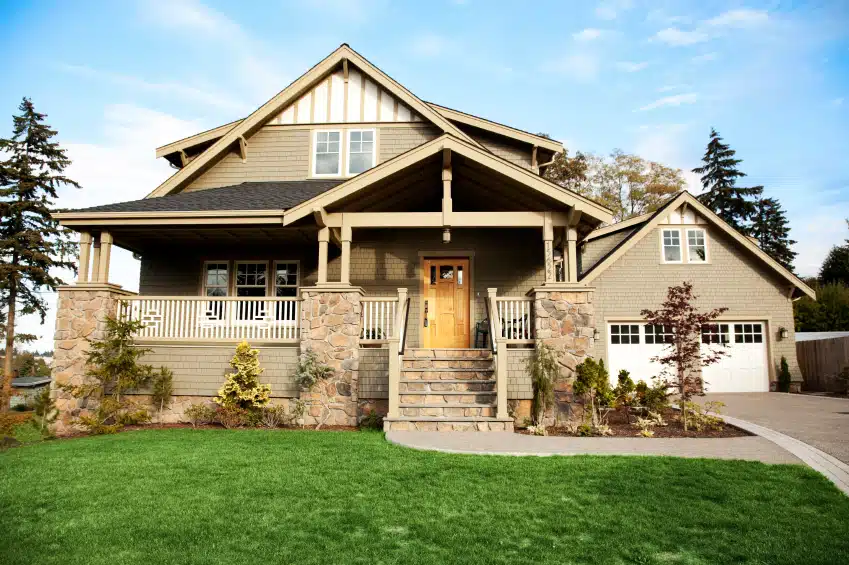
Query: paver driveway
[819, 421]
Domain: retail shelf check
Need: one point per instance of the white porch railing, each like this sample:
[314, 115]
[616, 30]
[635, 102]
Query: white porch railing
[516, 317]
[379, 318]
[204, 318]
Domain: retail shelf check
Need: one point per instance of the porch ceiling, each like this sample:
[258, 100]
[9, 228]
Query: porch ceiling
[142, 239]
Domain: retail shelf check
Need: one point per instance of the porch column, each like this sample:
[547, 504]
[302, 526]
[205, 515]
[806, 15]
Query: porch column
[571, 254]
[323, 240]
[95, 260]
[346, 253]
[105, 255]
[548, 242]
[85, 256]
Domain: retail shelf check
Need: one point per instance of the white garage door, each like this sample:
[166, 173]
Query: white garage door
[632, 346]
[744, 368]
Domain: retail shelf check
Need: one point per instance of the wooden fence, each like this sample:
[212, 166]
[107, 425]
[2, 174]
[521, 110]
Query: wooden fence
[821, 360]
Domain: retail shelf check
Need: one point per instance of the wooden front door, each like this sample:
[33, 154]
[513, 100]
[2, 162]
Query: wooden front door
[445, 310]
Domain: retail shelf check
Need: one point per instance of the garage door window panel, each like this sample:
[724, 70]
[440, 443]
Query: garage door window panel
[748, 333]
[715, 334]
[624, 334]
[657, 334]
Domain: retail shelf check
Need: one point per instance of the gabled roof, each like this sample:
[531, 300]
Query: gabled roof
[267, 195]
[268, 110]
[466, 149]
[685, 197]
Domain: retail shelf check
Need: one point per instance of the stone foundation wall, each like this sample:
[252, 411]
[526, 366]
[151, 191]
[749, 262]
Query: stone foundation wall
[80, 316]
[330, 326]
[565, 320]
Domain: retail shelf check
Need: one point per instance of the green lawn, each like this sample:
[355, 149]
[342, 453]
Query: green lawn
[208, 496]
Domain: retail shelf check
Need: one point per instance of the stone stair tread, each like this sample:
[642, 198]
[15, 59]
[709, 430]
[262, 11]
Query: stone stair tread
[407, 358]
[445, 405]
[447, 419]
[445, 392]
[448, 370]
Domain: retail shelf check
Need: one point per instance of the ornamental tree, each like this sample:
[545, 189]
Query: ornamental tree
[243, 389]
[684, 356]
[32, 245]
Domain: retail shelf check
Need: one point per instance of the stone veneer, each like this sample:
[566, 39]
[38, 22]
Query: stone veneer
[80, 316]
[330, 326]
[565, 320]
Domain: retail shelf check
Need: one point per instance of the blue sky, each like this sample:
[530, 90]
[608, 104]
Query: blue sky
[119, 78]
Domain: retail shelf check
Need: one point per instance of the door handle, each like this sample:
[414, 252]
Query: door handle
[425, 313]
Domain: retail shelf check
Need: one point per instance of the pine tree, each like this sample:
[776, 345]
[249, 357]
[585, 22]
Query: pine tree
[32, 245]
[835, 268]
[736, 205]
[771, 228]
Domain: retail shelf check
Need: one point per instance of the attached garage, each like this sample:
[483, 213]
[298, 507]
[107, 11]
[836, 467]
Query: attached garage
[631, 346]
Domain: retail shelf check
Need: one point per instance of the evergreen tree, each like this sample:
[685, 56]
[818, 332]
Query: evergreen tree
[771, 228]
[835, 268]
[736, 205]
[32, 245]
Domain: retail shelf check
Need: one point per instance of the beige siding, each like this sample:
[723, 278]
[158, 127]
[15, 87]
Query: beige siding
[374, 372]
[733, 279]
[200, 371]
[592, 251]
[274, 153]
[393, 141]
[519, 384]
[514, 151]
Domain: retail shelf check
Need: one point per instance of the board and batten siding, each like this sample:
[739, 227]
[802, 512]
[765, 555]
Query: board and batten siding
[733, 278]
[326, 103]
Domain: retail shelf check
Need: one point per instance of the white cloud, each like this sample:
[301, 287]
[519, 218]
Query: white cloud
[704, 58]
[669, 87]
[587, 34]
[675, 100]
[631, 67]
[430, 45]
[205, 95]
[739, 18]
[677, 37]
[121, 168]
[578, 66]
[663, 143]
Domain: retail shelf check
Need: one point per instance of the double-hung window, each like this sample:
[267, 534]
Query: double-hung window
[216, 278]
[696, 246]
[251, 282]
[360, 151]
[671, 246]
[327, 152]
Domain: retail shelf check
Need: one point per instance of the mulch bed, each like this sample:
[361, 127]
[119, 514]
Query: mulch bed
[618, 422]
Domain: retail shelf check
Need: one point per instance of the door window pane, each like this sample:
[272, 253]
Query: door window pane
[459, 274]
[446, 272]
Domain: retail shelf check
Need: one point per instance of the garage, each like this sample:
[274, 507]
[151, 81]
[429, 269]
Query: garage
[631, 346]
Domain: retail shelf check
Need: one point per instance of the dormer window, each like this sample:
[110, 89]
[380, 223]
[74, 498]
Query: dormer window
[683, 245]
[360, 151]
[326, 153]
[672, 246]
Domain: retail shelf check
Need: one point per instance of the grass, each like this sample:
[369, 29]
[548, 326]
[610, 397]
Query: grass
[249, 496]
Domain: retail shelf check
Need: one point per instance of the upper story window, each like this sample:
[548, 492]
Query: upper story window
[327, 152]
[361, 153]
[684, 245]
[671, 246]
[696, 246]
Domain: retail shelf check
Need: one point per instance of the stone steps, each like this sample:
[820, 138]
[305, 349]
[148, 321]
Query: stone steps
[447, 410]
[447, 397]
[446, 363]
[437, 424]
[420, 353]
[449, 385]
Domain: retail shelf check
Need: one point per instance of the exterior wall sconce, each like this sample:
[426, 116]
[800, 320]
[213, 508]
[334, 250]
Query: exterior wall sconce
[446, 235]
[595, 333]
[783, 333]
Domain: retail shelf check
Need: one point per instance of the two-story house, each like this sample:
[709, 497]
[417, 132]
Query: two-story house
[417, 249]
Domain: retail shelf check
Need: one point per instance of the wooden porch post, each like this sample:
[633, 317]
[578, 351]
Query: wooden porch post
[323, 239]
[346, 253]
[105, 255]
[95, 260]
[548, 242]
[572, 254]
[85, 256]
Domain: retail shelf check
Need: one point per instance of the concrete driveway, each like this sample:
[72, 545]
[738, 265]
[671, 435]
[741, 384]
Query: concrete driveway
[819, 421]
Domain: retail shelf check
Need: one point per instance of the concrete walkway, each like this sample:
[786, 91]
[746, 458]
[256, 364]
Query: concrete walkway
[749, 448]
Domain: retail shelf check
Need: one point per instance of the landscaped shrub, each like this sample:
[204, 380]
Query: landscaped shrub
[783, 375]
[544, 370]
[243, 389]
[199, 414]
[45, 412]
[232, 416]
[162, 389]
[843, 378]
[702, 417]
[371, 421]
[311, 370]
[274, 416]
[593, 383]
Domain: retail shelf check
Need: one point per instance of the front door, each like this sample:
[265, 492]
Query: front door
[445, 317]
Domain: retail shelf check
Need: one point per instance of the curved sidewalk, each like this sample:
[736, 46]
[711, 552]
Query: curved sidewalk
[750, 448]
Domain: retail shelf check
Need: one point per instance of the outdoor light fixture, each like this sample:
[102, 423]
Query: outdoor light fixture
[783, 333]
[446, 236]
[595, 333]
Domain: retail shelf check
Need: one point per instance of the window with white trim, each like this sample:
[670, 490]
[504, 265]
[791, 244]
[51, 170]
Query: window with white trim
[748, 333]
[251, 278]
[658, 334]
[326, 153]
[624, 334]
[671, 246]
[216, 278]
[285, 278]
[361, 150]
[696, 246]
